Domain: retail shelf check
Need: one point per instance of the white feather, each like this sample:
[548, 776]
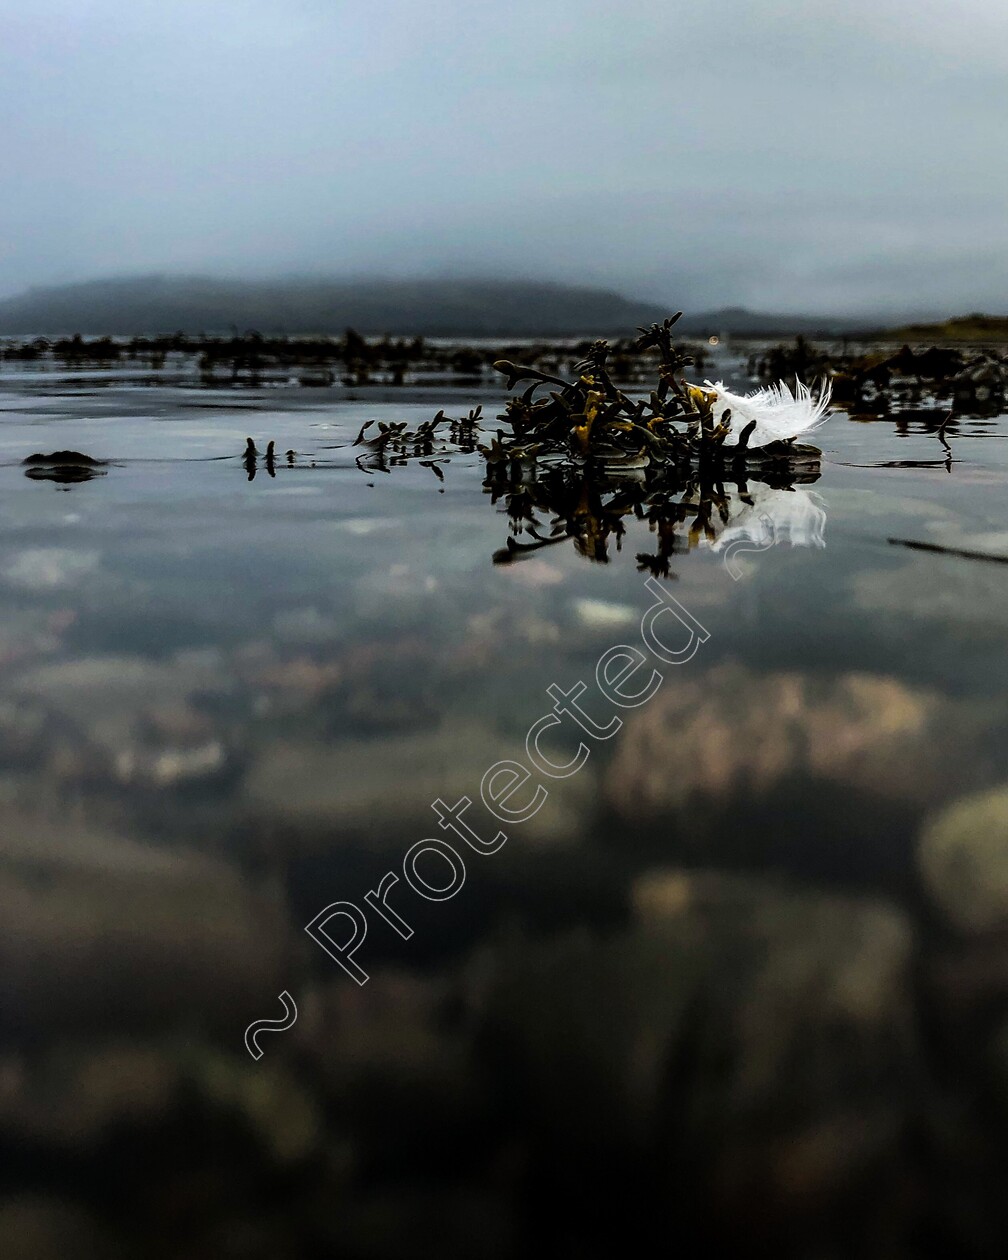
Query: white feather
[778, 413]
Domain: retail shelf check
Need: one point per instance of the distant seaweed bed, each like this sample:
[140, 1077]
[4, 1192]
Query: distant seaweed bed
[975, 329]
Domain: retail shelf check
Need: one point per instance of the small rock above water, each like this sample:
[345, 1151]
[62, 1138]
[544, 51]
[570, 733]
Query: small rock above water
[64, 458]
[63, 466]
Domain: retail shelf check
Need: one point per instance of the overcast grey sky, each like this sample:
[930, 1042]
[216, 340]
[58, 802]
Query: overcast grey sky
[782, 154]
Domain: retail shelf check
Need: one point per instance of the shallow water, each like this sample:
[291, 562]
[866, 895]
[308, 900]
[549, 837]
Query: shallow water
[265, 683]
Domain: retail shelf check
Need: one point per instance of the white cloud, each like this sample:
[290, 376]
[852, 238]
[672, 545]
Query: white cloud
[49, 568]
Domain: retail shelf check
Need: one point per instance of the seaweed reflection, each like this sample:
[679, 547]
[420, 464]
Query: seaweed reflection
[593, 511]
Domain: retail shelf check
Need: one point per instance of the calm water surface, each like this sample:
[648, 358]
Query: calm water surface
[226, 703]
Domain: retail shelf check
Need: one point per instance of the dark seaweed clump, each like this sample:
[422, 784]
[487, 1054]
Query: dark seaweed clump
[582, 460]
[590, 419]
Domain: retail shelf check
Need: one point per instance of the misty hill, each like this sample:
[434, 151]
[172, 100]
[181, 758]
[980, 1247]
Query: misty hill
[156, 304]
[449, 308]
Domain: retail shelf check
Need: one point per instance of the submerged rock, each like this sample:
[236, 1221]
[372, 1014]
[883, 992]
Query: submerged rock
[963, 862]
[99, 928]
[735, 730]
[136, 721]
[168, 1139]
[744, 1052]
[69, 1096]
[383, 793]
[47, 1227]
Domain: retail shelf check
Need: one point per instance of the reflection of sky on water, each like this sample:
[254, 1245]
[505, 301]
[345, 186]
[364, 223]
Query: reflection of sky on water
[335, 606]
